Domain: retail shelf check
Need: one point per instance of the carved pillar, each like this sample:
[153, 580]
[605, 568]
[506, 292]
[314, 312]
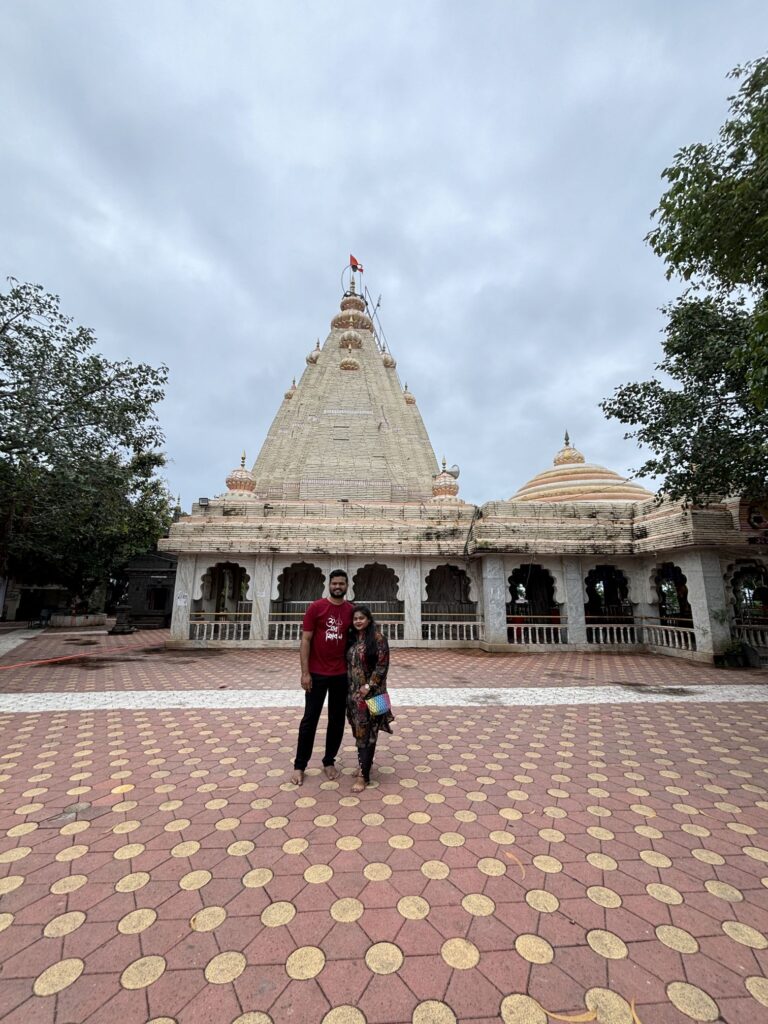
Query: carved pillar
[182, 597]
[706, 595]
[574, 601]
[261, 586]
[494, 599]
[411, 589]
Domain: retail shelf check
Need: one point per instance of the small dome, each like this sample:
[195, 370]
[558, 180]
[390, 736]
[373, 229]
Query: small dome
[314, 355]
[351, 319]
[352, 301]
[572, 479]
[409, 398]
[241, 480]
[291, 390]
[389, 360]
[350, 339]
[444, 485]
[349, 362]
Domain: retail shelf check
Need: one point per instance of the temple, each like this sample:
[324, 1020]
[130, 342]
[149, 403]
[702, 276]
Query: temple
[578, 558]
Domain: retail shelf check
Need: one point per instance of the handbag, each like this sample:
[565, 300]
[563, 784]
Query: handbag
[379, 704]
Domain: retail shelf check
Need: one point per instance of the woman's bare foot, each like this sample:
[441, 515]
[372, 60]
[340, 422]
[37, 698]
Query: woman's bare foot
[359, 785]
[297, 778]
[331, 771]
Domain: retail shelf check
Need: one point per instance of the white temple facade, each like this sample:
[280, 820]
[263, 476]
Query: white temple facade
[578, 558]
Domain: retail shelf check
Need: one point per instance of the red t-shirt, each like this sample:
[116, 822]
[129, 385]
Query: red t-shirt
[328, 624]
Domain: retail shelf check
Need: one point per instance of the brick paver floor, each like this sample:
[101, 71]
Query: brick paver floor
[525, 864]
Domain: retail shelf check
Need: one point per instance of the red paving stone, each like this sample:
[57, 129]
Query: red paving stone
[605, 846]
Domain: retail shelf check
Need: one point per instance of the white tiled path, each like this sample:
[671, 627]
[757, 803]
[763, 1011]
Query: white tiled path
[140, 700]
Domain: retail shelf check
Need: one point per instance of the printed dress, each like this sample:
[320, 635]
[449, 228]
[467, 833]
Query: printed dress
[365, 727]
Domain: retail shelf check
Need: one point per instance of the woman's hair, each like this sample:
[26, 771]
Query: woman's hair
[369, 635]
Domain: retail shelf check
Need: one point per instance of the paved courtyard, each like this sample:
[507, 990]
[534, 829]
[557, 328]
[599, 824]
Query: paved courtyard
[558, 837]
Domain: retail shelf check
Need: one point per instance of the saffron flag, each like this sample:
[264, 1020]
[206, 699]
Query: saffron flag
[354, 264]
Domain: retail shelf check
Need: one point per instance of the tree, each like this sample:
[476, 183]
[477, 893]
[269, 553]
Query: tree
[707, 431]
[79, 449]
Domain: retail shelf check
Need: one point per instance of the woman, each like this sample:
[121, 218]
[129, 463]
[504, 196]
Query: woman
[367, 665]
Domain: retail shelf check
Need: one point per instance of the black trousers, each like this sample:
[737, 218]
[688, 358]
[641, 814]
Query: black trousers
[336, 688]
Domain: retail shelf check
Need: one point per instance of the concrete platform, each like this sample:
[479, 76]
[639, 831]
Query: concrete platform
[593, 846]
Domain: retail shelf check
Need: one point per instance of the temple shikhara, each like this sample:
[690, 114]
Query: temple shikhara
[578, 558]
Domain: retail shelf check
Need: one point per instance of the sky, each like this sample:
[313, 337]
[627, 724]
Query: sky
[190, 178]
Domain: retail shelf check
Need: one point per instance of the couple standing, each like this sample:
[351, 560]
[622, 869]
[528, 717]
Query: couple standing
[345, 656]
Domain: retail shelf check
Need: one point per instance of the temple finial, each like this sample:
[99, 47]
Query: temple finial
[444, 463]
[567, 440]
[242, 460]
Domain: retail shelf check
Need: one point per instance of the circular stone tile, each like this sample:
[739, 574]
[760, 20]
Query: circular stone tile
[460, 954]
[603, 896]
[137, 921]
[419, 818]
[435, 869]
[207, 919]
[241, 848]
[692, 1001]
[544, 902]
[478, 905]
[502, 838]
[130, 883]
[225, 967]
[64, 924]
[58, 976]
[10, 883]
[602, 861]
[6, 920]
[603, 834]
[384, 958]
[677, 938]
[433, 1012]
[344, 1015]
[413, 908]
[295, 846]
[277, 822]
[347, 909]
[305, 962]
[723, 891]
[277, 914]
[756, 853]
[377, 872]
[549, 865]
[491, 866]
[664, 893]
[648, 832]
[257, 878]
[17, 853]
[758, 989]
[348, 843]
[708, 856]
[745, 935]
[534, 949]
[522, 1010]
[318, 873]
[249, 1018]
[655, 859]
[606, 944]
[400, 842]
[373, 819]
[452, 839]
[142, 972]
[609, 1006]
[194, 880]
[186, 849]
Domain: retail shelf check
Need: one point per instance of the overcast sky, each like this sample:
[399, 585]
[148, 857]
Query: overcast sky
[191, 177]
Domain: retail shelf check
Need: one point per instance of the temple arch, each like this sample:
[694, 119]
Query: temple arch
[222, 611]
[298, 585]
[376, 585]
[608, 611]
[749, 587]
[448, 613]
[672, 589]
[533, 615]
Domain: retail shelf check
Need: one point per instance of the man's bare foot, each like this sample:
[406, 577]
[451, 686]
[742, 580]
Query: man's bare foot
[297, 778]
[359, 785]
[331, 771]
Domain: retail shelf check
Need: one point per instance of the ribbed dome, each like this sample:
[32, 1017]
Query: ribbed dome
[241, 480]
[314, 355]
[573, 479]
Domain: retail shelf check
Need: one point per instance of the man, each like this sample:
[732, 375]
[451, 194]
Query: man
[323, 656]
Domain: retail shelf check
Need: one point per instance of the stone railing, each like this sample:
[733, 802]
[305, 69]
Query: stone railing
[285, 630]
[536, 633]
[755, 636]
[447, 630]
[224, 626]
[614, 633]
[677, 638]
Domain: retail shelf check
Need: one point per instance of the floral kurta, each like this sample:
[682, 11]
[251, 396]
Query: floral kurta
[365, 727]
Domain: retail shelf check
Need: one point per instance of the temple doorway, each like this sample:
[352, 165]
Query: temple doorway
[375, 585]
[448, 613]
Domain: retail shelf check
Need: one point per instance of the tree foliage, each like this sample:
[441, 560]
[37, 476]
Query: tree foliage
[79, 449]
[707, 429]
